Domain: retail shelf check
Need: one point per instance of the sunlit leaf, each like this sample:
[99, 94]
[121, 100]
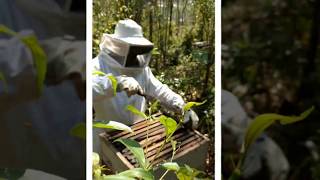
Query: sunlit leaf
[260, 123]
[136, 150]
[112, 125]
[116, 177]
[114, 83]
[174, 145]
[189, 105]
[79, 130]
[95, 159]
[172, 166]
[98, 73]
[4, 81]
[138, 173]
[169, 124]
[136, 111]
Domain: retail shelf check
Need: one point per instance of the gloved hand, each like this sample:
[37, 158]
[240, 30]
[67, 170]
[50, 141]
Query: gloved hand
[129, 85]
[176, 106]
[191, 116]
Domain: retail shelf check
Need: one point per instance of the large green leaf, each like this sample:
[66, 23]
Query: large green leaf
[39, 58]
[138, 173]
[169, 124]
[79, 130]
[189, 105]
[4, 81]
[112, 125]
[172, 166]
[260, 123]
[136, 111]
[136, 150]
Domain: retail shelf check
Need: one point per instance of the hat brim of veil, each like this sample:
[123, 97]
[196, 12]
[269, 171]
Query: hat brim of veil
[138, 41]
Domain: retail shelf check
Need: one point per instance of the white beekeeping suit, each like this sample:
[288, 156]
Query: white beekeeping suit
[35, 129]
[126, 55]
[264, 150]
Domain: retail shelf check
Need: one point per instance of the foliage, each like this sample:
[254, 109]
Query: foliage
[136, 150]
[146, 167]
[256, 128]
[38, 54]
[79, 130]
[111, 125]
[270, 61]
[4, 81]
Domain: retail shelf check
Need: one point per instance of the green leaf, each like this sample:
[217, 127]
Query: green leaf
[172, 166]
[174, 145]
[185, 174]
[260, 123]
[136, 150]
[189, 105]
[136, 111]
[236, 175]
[114, 83]
[116, 177]
[6, 30]
[11, 173]
[111, 78]
[98, 73]
[79, 130]
[155, 51]
[154, 106]
[39, 58]
[112, 125]
[169, 124]
[38, 54]
[95, 159]
[138, 173]
[5, 84]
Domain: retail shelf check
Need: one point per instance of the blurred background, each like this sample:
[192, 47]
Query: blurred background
[270, 61]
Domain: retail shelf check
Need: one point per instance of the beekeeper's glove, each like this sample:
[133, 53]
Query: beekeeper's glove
[129, 85]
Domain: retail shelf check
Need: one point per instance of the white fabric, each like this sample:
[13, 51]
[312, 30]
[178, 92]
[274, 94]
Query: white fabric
[120, 48]
[129, 31]
[35, 131]
[110, 107]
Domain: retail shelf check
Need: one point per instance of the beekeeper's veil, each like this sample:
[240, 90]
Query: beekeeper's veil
[127, 46]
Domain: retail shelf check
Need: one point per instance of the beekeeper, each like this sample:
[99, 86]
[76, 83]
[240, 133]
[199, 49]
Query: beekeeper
[35, 126]
[263, 153]
[126, 55]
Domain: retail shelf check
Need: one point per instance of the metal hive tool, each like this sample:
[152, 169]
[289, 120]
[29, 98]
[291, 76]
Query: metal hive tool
[190, 142]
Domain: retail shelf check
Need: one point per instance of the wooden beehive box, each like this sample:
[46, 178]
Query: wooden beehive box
[193, 147]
